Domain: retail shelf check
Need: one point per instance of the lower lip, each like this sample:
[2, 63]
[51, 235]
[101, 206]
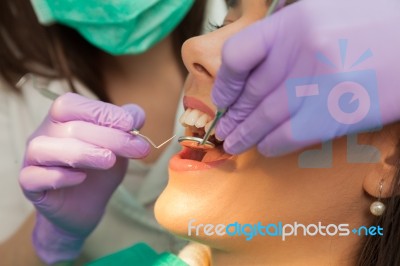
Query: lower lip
[176, 163]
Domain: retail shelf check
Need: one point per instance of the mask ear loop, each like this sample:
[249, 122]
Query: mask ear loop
[22, 81]
[43, 90]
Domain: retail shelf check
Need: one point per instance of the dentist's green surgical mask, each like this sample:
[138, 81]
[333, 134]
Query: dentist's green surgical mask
[116, 26]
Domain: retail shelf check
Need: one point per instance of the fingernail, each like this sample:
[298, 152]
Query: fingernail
[141, 148]
[109, 159]
[231, 147]
[219, 135]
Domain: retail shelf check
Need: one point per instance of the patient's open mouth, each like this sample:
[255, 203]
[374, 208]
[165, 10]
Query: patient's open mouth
[196, 124]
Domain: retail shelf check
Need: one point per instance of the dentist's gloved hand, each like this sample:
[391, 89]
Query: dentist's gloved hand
[313, 71]
[73, 163]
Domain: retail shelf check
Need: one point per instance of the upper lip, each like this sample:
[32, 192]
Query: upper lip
[194, 103]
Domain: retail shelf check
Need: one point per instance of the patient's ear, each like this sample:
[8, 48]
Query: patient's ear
[374, 179]
[386, 170]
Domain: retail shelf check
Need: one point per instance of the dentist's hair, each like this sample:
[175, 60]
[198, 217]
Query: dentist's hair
[60, 52]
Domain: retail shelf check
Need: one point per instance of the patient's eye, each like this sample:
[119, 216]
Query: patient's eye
[232, 3]
[213, 26]
[288, 2]
[233, 14]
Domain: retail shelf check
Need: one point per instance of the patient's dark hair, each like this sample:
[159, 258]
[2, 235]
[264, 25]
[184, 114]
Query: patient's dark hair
[60, 52]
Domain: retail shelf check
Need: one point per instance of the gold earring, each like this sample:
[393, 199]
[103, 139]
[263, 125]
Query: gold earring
[377, 208]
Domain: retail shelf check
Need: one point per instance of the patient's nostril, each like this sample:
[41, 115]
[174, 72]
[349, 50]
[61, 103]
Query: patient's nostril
[201, 69]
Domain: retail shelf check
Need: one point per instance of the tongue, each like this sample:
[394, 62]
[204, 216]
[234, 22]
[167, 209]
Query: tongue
[213, 155]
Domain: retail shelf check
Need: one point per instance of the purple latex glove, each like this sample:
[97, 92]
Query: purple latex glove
[73, 163]
[313, 71]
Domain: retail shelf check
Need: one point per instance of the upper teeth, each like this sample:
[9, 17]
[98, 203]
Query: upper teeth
[193, 117]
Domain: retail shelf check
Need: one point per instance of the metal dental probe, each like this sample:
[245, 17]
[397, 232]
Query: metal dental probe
[218, 115]
[136, 132]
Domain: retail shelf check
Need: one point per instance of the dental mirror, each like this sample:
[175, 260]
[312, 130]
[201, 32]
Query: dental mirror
[195, 143]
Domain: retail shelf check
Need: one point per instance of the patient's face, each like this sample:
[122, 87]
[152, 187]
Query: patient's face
[215, 188]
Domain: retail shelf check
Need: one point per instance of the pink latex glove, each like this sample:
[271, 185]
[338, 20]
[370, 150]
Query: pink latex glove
[313, 71]
[73, 163]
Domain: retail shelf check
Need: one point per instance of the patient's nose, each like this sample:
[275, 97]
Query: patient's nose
[201, 56]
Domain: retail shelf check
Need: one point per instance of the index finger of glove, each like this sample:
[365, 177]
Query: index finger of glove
[73, 107]
[119, 142]
[240, 55]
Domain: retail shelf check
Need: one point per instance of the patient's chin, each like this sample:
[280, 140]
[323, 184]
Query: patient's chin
[173, 212]
[184, 221]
